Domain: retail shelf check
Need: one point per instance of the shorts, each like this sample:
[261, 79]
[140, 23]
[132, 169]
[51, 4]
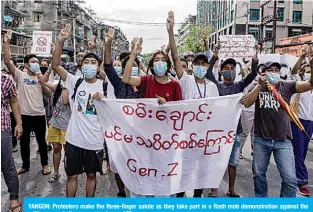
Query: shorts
[79, 160]
[235, 152]
[56, 135]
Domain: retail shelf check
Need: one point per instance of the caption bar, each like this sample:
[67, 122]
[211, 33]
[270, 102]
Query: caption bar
[166, 204]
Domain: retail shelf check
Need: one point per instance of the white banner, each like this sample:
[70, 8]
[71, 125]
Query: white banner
[170, 148]
[42, 42]
[237, 46]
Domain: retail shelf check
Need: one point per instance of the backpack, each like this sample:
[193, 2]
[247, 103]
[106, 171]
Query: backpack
[80, 80]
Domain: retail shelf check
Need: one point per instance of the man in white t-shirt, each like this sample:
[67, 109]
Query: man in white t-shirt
[196, 86]
[30, 94]
[84, 137]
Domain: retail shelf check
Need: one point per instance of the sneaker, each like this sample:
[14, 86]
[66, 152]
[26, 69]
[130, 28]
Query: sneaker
[49, 148]
[304, 191]
[240, 157]
[15, 149]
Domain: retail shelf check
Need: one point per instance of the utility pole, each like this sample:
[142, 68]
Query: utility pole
[274, 26]
[262, 34]
[74, 39]
[247, 20]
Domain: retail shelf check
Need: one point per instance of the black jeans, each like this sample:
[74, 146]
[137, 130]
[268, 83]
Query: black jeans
[38, 124]
[13, 125]
[7, 165]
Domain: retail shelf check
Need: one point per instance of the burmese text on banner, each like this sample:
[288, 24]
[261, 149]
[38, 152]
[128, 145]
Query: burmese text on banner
[165, 149]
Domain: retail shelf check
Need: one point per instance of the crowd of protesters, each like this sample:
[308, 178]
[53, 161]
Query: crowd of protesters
[32, 102]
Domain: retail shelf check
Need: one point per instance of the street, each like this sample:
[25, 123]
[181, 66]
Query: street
[34, 184]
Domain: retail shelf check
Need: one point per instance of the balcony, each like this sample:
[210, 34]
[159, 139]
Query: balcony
[16, 50]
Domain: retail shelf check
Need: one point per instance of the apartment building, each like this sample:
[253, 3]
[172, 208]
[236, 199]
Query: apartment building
[294, 17]
[184, 29]
[53, 15]
[13, 19]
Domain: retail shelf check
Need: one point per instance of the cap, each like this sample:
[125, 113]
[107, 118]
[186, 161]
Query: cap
[270, 64]
[229, 61]
[201, 56]
[186, 54]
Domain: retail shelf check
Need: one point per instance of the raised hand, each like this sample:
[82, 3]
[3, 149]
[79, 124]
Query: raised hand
[263, 79]
[257, 50]
[204, 35]
[170, 21]
[137, 45]
[91, 42]
[110, 35]
[303, 52]
[7, 37]
[65, 32]
[217, 49]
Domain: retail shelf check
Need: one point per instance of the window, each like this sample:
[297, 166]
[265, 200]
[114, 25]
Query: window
[281, 14]
[36, 17]
[297, 17]
[36, 1]
[297, 1]
[254, 32]
[254, 14]
[268, 35]
[281, 2]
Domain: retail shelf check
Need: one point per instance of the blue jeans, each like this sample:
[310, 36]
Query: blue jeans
[284, 158]
[300, 144]
[235, 152]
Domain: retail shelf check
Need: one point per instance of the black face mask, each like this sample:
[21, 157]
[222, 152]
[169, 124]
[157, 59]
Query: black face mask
[43, 69]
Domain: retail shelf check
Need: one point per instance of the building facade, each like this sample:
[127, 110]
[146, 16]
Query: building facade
[53, 15]
[12, 19]
[202, 12]
[184, 29]
[294, 17]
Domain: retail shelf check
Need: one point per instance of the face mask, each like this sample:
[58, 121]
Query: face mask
[34, 67]
[229, 75]
[134, 71]
[307, 76]
[43, 69]
[159, 68]
[118, 70]
[199, 71]
[189, 66]
[273, 78]
[89, 71]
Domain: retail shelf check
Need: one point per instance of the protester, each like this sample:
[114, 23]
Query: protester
[158, 84]
[229, 87]
[121, 90]
[272, 129]
[84, 137]
[30, 92]
[9, 98]
[47, 100]
[5, 70]
[303, 107]
[79, 58]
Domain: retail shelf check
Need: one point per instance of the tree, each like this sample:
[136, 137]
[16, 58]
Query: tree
[193, 42]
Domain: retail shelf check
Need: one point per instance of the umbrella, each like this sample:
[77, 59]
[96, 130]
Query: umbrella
[285, 106]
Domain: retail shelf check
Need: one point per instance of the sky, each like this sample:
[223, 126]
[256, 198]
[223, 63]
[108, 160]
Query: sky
[144, 11]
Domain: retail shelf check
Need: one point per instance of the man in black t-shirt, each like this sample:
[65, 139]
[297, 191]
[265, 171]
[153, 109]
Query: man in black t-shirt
[272, 129]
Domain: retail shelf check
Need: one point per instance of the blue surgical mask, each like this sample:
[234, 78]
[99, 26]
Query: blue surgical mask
[89, 71]
[118, 70]
[134, 71]
[160, 68]
[34, 67]
[273, 78]
[229, 75]
[199, 71]
[307, 76]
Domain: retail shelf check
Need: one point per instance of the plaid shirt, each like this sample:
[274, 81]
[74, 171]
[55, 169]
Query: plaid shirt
[121, 90]
[8, 91]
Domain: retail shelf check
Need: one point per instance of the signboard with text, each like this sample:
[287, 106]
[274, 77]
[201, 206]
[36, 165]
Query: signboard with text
[42, 42]
[170, 148]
